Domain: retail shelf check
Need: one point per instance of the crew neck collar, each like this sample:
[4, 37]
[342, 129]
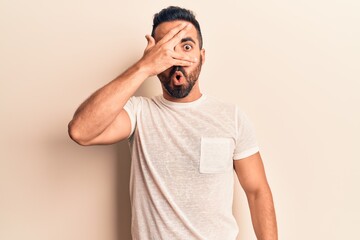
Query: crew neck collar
[182, 104]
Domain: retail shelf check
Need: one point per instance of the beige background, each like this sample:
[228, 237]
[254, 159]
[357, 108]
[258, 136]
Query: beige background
[293, 67]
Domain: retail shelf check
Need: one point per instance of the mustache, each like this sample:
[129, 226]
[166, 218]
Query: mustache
[177, 68]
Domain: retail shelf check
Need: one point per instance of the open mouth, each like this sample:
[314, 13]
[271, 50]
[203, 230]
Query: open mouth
[178, 78]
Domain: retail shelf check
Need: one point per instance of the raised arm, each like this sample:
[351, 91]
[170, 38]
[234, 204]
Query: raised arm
[252, 178]
[101, 119]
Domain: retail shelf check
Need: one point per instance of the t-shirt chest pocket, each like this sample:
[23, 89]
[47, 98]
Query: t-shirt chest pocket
[215, 155]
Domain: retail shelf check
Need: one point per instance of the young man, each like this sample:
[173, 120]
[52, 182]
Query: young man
[184, 144]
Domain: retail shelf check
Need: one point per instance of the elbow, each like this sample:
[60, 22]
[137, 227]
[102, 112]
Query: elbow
[258, 192]
[76, 135]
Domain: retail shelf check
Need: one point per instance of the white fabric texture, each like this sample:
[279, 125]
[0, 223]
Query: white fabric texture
[181, 182]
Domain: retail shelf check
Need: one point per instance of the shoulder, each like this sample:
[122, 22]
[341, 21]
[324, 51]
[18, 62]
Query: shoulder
[139, 100]
[218, 103]
[222, 106]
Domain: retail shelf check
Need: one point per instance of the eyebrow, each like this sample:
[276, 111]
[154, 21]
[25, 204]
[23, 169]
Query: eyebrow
[187, 39]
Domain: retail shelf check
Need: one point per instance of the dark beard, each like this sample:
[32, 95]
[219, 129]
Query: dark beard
[183, 90]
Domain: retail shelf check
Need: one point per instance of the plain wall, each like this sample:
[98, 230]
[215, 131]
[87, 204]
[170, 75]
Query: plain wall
[292, 66]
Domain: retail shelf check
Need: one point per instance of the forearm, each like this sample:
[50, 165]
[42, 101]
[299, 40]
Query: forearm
[102, 107]
[263, 214]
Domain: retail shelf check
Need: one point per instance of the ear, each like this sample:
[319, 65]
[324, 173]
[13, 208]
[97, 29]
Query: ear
[202, 55]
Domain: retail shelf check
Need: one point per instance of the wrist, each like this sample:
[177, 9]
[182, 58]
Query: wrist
[143, 68]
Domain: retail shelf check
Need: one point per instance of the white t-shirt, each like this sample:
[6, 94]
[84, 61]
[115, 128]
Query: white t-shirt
[181, 183]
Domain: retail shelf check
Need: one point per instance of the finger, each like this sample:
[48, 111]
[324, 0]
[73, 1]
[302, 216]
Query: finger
[184, 57]
[151, 42]
[182, 63]
[173, 32]
[178, 37]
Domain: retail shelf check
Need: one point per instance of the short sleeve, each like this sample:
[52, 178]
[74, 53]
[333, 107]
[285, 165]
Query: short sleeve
[132, 107]
[246, 143]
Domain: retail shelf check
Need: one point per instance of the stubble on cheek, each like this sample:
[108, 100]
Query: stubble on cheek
[190, 79]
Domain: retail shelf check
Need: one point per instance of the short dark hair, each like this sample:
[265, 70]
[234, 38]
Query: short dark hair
[173, 13]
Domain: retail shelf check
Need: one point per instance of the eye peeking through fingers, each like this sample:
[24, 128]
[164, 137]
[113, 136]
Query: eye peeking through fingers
[187, 47]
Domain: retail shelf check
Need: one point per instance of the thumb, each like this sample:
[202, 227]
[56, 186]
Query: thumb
[151, 42]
